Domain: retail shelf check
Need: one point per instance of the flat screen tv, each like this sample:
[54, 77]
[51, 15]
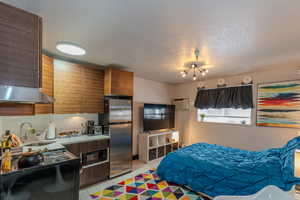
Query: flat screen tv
[158, 116]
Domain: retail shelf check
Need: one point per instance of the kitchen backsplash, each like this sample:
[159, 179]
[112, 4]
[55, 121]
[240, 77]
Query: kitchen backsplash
[64, 122]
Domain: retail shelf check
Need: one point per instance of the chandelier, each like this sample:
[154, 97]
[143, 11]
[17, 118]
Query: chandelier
[196, 67]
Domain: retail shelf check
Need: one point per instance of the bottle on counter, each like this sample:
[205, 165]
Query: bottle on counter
[7, 141]
[6, 165]
[6, 146]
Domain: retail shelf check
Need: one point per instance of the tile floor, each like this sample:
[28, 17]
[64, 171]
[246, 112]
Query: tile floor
[137, 168]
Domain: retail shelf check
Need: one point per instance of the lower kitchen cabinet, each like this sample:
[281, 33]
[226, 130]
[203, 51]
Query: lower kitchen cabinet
[94, 155]
[74, 149]
[94, 174]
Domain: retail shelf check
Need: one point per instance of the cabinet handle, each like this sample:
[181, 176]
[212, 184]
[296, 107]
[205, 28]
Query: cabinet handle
[80, 157]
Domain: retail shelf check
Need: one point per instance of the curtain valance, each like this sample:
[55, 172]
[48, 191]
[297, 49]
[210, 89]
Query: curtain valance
[227, 97]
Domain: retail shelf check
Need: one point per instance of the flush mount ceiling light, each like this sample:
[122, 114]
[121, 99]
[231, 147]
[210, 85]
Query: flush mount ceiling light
[70, 49]
[197, 67]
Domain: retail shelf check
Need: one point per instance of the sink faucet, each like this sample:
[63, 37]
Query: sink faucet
[25, 136]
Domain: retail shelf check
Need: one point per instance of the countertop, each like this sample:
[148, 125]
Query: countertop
[60, 142]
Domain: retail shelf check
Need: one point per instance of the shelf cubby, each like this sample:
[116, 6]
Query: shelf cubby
[152, 154]
[175, 146]
[168, 138]
[157, 145]
[168, 149]
[161, 151]
[161, 140]
[153, 141]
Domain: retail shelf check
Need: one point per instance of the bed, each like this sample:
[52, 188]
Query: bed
[217, 170]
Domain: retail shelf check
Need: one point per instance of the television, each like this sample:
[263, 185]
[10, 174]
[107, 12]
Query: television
[158, 116]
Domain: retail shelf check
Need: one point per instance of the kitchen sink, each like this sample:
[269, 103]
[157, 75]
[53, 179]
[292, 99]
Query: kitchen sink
[38, 144]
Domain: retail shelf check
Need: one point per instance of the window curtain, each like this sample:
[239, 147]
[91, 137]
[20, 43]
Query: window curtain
[230, 97]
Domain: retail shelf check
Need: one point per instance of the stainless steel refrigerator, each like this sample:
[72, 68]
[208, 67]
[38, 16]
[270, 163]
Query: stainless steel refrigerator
[119, 115]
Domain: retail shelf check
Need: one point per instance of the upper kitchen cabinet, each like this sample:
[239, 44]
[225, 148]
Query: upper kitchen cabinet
[20, 47]
[77, 88]
[11, 109]
[47, 85]
[118, 82]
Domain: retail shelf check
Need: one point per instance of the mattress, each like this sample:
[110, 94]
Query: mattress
[218, 170]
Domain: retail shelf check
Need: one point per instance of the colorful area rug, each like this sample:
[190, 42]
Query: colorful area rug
[146, 186]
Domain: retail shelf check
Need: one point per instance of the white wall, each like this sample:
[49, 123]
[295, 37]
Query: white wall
[147, 91]
[244, 137]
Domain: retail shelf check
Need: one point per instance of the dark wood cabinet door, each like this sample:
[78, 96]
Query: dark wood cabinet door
[95, 174]
[20, 47]
[74, 148]
[94, 146]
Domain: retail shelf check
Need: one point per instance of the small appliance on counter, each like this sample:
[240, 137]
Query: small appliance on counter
[104, 123]
[90, 127]
[98, 130]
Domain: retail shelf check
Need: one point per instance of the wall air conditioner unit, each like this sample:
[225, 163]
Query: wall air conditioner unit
[182, 104]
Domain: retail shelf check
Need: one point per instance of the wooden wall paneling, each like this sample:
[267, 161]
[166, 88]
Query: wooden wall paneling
[47, 85]
[20, 47]
[77, 88]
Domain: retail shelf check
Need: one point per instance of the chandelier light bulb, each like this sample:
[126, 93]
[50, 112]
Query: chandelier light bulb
[197, 68]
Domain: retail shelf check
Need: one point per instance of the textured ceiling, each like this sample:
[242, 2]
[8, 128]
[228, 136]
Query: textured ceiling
[154, 38]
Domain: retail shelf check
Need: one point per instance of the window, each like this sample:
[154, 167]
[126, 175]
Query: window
[225, 115]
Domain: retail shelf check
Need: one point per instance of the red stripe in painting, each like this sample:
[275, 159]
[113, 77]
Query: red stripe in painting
[278, 101]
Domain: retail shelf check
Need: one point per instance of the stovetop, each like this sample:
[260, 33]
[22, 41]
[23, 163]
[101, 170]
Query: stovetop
[50, 158]
[57, 156]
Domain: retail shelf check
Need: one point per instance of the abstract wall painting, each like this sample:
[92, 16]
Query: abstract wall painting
[278, 104]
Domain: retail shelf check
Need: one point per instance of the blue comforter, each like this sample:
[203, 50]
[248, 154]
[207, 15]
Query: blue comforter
[217, 170]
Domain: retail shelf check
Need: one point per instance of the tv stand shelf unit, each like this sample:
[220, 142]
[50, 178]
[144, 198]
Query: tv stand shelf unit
[153, 146]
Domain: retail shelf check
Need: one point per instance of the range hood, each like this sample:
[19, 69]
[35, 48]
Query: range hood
[16, 94]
